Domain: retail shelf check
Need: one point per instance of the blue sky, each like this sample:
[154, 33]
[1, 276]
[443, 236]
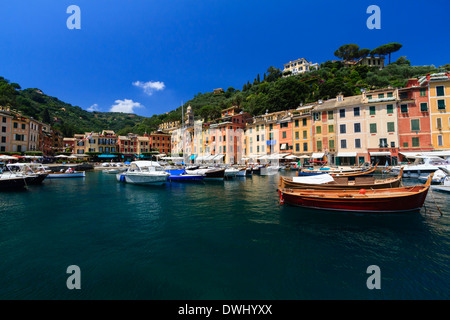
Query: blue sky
[148, 56]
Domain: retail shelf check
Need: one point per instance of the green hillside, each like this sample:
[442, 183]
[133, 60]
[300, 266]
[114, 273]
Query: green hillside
[269, 92]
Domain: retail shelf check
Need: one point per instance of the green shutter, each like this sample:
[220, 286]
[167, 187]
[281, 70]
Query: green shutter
[319, 145]
[415, 142]
[391, 127]
[373, 128]
[372, 110]
[424, 107]
[440, 91]
[390, 108]
[441, 104]
[415, 125]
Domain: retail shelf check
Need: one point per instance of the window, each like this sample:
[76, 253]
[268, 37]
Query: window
[330, 128]
[357, 127]
[358, 143]
[319, 145]
[440, 91]
[305, 134]
[383, 143]
[316, 116]
[391, 127]
[392, 144]
[369, 97]
[390, 108]
[381, 96]
[343, 144]
[331, 144]
[284, 134]
[15, 125]
[405, 144]
[372, 110]
[270, 127]
[415, 125]
[297, 135]
[319, 129]
[304, 120]
[330, 115]
[3, 139]
[404, 108]
[439, 123]
[373, 128]
[415, 141]
[390, 95]
[356, 112]
[342, 113]
[296, 123]
[342, 128]
[441, 104]
[4, 119]
[23, 126]
[297, 147]
[3, 129]
[423, 92]
[424, 107]
[440, 140]
[305, 146]
[284, 125]
[2, 148]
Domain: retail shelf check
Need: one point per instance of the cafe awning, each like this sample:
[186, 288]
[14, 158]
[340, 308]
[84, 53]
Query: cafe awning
[346, 154]
[317, 155]
[379, 153]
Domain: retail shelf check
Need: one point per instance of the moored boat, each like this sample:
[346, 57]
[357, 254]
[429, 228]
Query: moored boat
[14, 182]
[143, 173]
[328, 182]
[391, 200]
[67, 174]
[180, 175]
[209, 173]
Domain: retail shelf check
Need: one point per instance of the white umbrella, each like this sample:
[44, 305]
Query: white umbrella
[4, 157]
[61, 156]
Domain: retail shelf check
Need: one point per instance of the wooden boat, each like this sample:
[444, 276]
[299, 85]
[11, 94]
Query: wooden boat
[389, 200]
[350, 173]
[342, 183]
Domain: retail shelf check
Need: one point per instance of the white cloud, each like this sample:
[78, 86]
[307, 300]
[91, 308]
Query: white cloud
[125, 106]
[150, 86]
[94, 107]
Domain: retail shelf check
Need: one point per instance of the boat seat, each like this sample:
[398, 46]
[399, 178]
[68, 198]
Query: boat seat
[364, 180]
[341, 180]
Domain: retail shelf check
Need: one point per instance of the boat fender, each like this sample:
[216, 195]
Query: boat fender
[362, 191]
[122, 178]
[281, 196]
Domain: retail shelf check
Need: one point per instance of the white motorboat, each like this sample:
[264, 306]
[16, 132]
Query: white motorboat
[34, 170]
[242, 172]
[69, 173]
[114, 170]
[445, 184]
[269, 170]
[422, 166]
[231, 172]
[144, 173]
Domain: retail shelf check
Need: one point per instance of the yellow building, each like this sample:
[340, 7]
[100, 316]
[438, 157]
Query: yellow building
[300, 66]
[439, 102]
[302, 131]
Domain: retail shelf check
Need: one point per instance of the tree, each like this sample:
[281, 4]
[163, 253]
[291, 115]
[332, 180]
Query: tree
[347, 52]
[402, 61]
[363, 53]
[45, 116]
[273, 74]
[386, 49]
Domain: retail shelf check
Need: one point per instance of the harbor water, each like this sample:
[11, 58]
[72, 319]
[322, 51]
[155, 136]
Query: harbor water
[212, 240]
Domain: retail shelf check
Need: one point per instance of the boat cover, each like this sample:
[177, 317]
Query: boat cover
[317, 179]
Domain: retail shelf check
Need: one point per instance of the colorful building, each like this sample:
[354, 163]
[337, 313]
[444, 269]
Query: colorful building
[382, 125]
[413, 111]
[438, 85]
[302, 141]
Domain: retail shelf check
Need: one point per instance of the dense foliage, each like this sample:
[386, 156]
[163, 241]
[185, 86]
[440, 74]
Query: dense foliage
[272, 92]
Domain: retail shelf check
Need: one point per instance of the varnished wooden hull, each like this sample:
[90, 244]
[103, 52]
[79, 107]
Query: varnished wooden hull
[356, 173]
[402, 199]
[287, 182]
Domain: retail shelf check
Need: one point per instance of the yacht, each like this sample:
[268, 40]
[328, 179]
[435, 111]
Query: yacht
[422, 166]
[144, 173]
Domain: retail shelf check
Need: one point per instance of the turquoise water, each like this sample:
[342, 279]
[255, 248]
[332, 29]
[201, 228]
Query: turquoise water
[215, 240]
